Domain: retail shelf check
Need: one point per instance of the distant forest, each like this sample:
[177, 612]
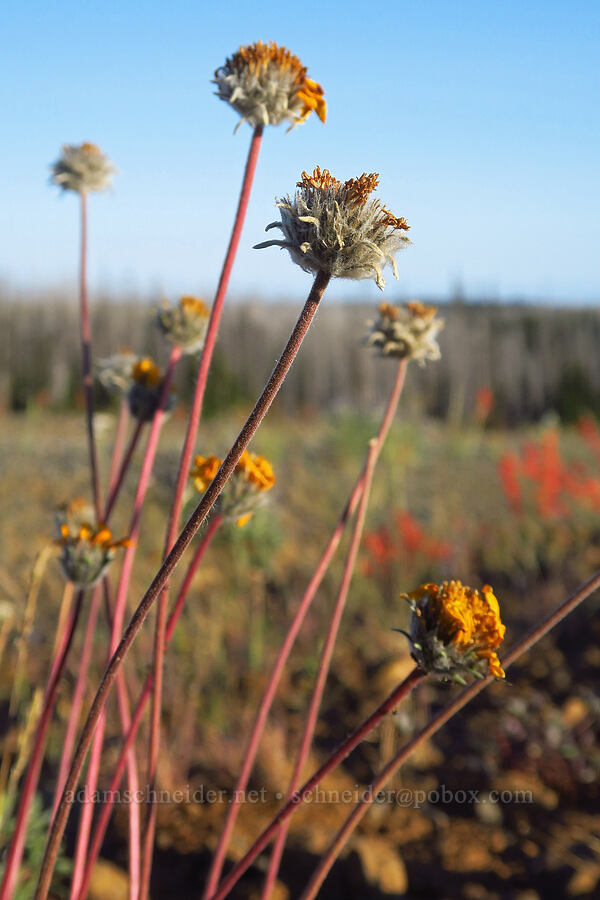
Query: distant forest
[533, 359]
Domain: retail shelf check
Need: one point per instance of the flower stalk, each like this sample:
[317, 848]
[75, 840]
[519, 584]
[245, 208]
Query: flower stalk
[117, 627]
[17, 845]
[86, 358]
[465, 696]
[390, 770]
[384, 708]
[290, 638]
[187, 452]
[145, 694]
[193, 524]
[324, 663]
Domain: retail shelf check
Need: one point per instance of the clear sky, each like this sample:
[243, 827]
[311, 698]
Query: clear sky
[481, 118]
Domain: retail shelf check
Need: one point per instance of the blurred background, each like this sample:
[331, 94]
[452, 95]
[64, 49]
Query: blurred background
[482, 122]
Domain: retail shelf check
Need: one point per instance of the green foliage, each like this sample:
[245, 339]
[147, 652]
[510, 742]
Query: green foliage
[35, 842]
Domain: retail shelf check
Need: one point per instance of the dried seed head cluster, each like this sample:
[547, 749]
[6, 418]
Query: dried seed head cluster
[87, 547]
[115, 373]
[334, 227]
[184, 324]
[82, 168]
[267, 85]
[406, 332]
[145, 390]
[245, 491]
[455, 630]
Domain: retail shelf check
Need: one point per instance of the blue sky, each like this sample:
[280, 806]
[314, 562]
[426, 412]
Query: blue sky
[481, 118]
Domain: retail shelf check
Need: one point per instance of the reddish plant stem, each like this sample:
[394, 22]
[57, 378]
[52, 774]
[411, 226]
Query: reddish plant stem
[125, 463]
[363, 806]
[117, 454]
[131, 761]
[105, 812]
[324, 664]
[118, 468]
[17, 844]
[133, 784]
[85, 821]
[436, 723]
[86, 358]
[78, 696]
[389, 704]
[87, 809]
[196, 519]
[182, 476]
[289, 640]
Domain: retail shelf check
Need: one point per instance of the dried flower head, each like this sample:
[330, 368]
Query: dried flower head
[87, 546]
[455, 630]
[244, 492]
[82, 168]
[145, 390]
[115, 373]
[267, 85]
[406, 332]
[184, 324]
[333, 227]
[205, 469]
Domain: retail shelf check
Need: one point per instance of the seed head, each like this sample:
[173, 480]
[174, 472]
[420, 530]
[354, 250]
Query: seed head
[184, 324]
[115, 373]
[82, 168]
[406, 332]
[245, 491]
[267, 85]
[87, 546]
[455, 630]
[334, 227]
[145, 390]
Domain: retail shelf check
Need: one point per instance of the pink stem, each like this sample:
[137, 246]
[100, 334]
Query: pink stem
[390, 703]
[86, 356]
[209, 498]
[118, 616]
[17, 844]
[117, 454]
[290, 638]
[87, 809]
[324, 664]
[106, 809]
[78, 695]
[117, 472]
[135, 828]
[370, 793]
[132, 769]
[182, 476]
[126, 461]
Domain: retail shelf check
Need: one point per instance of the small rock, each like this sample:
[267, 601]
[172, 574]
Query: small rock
[108, 882]
[381, 864]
